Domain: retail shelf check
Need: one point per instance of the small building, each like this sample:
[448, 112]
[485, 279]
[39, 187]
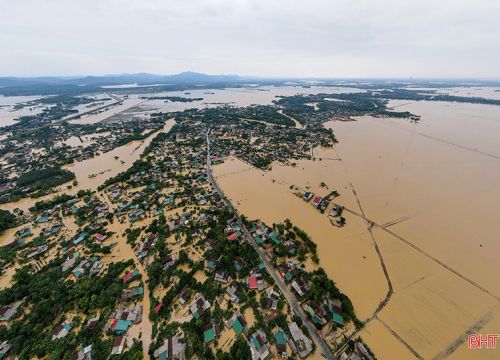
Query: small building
[62, 330]
[317, 201]
[222, 277]
[8, 311]
[238, 323]
[130, 276]
[210, 332]
[280, 340]
[172, 348]
[308, 196]
[301, 344]
[119, 326]
[259, 346]
[118, 345]
[132, 292]
[100, 237]
[4, 348]
[199, 306]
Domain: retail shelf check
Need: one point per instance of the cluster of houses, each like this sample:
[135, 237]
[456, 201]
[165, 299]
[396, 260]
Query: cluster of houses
[260, 143]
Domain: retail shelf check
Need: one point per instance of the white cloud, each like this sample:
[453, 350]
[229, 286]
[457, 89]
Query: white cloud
[337, 38]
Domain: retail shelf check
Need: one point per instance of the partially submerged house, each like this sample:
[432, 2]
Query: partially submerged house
[259, 346]
[62, 330]
[172, 348]
[300, 343]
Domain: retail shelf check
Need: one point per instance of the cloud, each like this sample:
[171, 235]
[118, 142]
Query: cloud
[334, 38]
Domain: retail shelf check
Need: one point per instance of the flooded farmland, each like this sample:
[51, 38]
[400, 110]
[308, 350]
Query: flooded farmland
[431, 190]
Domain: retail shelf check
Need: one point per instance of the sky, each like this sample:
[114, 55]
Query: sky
[268, 38]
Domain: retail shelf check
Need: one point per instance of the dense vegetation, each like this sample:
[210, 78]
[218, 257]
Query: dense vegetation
[49, 296]
[45, 178]
[7, 220]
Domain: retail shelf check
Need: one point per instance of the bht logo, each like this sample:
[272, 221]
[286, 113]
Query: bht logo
[482, 341]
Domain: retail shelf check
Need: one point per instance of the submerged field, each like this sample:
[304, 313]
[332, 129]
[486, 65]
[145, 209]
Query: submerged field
[432, 190]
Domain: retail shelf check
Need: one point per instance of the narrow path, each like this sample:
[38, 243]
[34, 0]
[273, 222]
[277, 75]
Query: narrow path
[478, 325]
[401, 340]
[390, 290]
[426, 254]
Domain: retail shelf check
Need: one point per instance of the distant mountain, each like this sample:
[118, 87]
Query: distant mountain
[187, 77]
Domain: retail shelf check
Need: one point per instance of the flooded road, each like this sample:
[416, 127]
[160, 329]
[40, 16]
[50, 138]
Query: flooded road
[433, 187]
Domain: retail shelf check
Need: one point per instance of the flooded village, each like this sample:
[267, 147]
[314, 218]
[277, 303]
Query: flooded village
[204, 225]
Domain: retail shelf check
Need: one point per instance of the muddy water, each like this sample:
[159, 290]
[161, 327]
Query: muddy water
[7, 112]
[435, 185]
[93, 172]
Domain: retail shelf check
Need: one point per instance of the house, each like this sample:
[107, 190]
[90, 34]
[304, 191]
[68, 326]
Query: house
[4, 348]
[210, 242]
[336, 210]
[132, 292]
[210, 332]
[334, 305]
[100, 237]
[280, 340]
[123, 318]
[323, 204]
[118, 344]
[363, 351]
[290, 270]
[23, 233]
[300, 343]
[130, 276]
[8, 311]
[94, 264]
[351, 356]
[51, 230]
[136, 215]
[92, 322]
[119, 326]
[172, 348]
[232, 293]
[252, 282]
[146, 245]
[199, 306]
[184, 295]
[317, 201]
[259, 346]
[238, 323]
[308, 196]
[234, 236]
[257, 281]
[158, 308]
[316, 312]
[97, 265]
[212, 264]
[43, 219]
[275, 238]
[222, 277]
[38, 251]
[78, 238]
[300, 286]
[84, 354]
[170, 260]
[62, 330]
[272, 298]
[70, 261]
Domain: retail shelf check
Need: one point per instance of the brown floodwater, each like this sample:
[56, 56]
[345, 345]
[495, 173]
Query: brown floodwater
[433, 188]
[93, 172]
